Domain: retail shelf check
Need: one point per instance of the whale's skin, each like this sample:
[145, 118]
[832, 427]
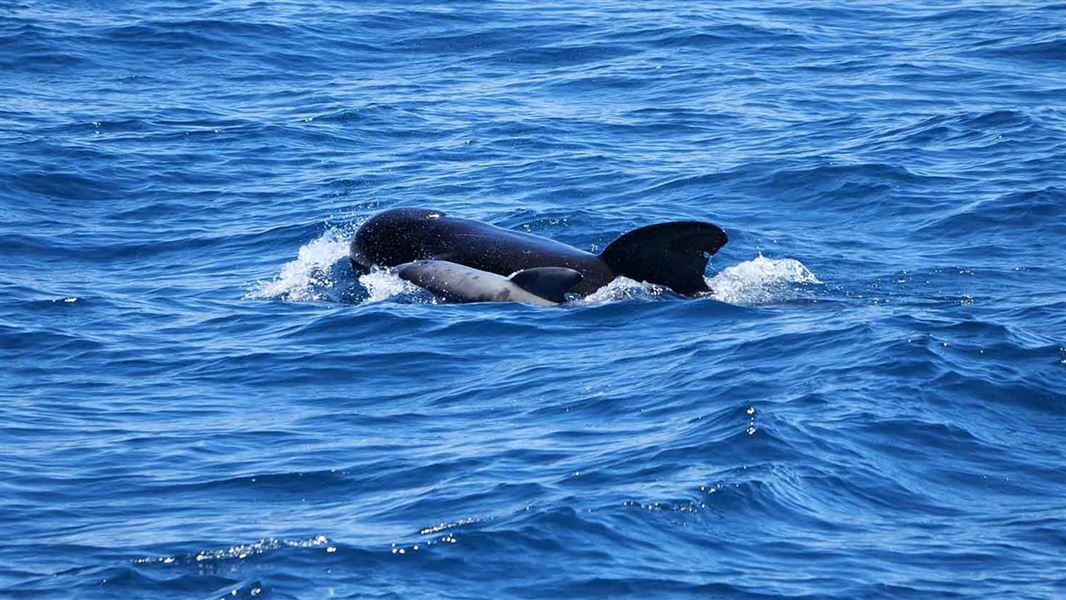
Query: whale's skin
[403, 235]
[453, 282]
[671, 254]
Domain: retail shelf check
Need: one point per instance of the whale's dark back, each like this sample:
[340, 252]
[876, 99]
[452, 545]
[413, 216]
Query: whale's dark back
[669, 254]
[402, 235]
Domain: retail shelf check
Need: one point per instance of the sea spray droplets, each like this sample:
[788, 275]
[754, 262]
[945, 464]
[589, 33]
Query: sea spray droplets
[623, 288]
[238, 552]
[439, 527]
[307, 278]
[760, 280]
[382, 284]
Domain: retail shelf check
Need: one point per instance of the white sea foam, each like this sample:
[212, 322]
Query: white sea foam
[382, 285]
[622, 288]
[308, 277]
[760, 280]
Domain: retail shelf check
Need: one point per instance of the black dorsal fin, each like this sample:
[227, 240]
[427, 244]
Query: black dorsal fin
[671, 254]
[550, 283]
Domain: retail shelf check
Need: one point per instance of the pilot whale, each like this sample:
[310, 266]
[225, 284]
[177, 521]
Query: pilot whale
[672, 254]
[452, 282]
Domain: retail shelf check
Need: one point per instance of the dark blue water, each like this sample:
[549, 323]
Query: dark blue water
[201, 400]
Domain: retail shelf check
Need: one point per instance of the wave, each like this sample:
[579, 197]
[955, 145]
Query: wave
[237, 552]
[1037, 210]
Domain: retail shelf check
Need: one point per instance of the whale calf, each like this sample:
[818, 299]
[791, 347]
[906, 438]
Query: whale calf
[452, 282]
[672, 255]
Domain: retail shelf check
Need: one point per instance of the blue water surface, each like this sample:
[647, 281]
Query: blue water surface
[202, 400]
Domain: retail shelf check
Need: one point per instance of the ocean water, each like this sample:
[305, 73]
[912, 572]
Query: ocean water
[201, 400]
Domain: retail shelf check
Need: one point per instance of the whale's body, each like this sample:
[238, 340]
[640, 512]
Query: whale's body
[452, 282]
[672, 254]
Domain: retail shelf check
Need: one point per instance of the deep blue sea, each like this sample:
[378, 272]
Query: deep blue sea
[200, 399]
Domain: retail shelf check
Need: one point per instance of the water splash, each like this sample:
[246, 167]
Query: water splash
[382, 284]
[760, 280]
[623, 288]
[308, 278]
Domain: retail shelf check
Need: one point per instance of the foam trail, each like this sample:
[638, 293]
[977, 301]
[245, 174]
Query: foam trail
[760, 280]
[308, 277]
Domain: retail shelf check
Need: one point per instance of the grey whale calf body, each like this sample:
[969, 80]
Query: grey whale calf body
[452, 282]
[672, 254]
